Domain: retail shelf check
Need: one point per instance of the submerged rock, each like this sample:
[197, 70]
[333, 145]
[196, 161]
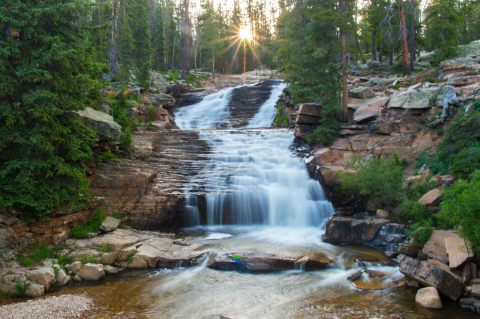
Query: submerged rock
[429, 298]
[91, 272]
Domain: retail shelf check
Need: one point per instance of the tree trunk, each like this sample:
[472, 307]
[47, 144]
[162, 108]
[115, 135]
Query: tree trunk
[404, 42]
[113, 57]
[374, 44]
[186, 37]
[344, 59]
[411, 34]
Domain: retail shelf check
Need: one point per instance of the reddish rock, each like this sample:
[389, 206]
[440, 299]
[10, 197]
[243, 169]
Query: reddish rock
[431, 198]
[435, 246]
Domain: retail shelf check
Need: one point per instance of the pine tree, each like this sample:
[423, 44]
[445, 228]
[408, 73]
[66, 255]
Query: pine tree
[47, 72]
[441, 28]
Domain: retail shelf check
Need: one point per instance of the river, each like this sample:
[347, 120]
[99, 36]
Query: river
[259, 198]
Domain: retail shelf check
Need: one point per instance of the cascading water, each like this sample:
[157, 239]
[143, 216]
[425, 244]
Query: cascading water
[252, 176]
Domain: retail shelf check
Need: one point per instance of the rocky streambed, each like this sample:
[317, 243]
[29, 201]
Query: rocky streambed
[238, 272]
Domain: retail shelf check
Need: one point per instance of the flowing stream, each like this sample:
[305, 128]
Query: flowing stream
[259, 198]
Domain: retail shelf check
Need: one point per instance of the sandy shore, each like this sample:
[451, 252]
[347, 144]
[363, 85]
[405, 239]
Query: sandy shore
[65, 307]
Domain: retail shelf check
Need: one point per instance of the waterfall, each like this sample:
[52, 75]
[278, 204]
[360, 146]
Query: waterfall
[252, 176]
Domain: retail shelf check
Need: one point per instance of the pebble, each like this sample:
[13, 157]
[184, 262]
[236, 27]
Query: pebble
[65, 306]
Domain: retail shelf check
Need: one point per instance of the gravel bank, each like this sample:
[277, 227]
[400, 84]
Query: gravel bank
[61, 307]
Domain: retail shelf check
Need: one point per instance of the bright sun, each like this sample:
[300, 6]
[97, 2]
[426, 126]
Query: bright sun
[245, 34]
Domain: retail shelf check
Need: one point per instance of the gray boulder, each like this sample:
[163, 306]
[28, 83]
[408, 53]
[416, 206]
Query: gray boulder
[102, 123]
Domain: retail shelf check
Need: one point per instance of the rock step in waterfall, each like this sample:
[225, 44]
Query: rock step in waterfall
[251, 177]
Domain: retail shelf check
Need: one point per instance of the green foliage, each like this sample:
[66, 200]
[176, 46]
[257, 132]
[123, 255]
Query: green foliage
[106, 156]
[281, 118]
[90, 259]
[376, 179]
[92, 226]
[46, 74]
[458, 154]
[465, 162]
[21, 288]
[106, 247]
[441, 32]
[420, 231]
[460, 208]
[35, 253]
[120, 116]
[324, 134]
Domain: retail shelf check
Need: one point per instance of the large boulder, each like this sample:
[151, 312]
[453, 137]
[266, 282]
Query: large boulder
[35, 290]
[366, 113]
[355, 231]
[110, 224]
[428, 297]
[435, 246]
[431, 198]
[103, 124]
[360, 92]
[432, 273]
[42, 275]
[91, 272]
[458, 251]
[420, 98]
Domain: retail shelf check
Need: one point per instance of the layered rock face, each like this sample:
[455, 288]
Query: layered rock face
[148, 189]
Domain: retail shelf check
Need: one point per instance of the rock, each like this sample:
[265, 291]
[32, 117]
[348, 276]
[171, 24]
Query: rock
[435, 246]
[109, 258]
[431, 198]
[366, 113]
[346, 230]
[310, 109]
[127, 252]
[458, 251]
[428, 297]
[252, 262]
[35, 290]
[432, 273]
[119, 239]
[91, 272]
[421, 98]
[306, 119]
[360, 92]
[150, 254]
[43, 275]
[137, 263]
[75, 266]
[102, 123]
[110, 270]
[471, 304]
[162, 99]
[109, 224]
[61, 278]
[383, 213]
[476, 290]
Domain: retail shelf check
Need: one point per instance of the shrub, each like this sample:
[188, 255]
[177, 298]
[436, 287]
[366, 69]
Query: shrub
[465, 162]
[460, 208]
[92, 226]
[376, 179]
[37, 252]
[463, 133]
[281, 118]
[106, 156]
[420, 231]
[21, 288]
[324, 135]
[106, 247]
[89, 259]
